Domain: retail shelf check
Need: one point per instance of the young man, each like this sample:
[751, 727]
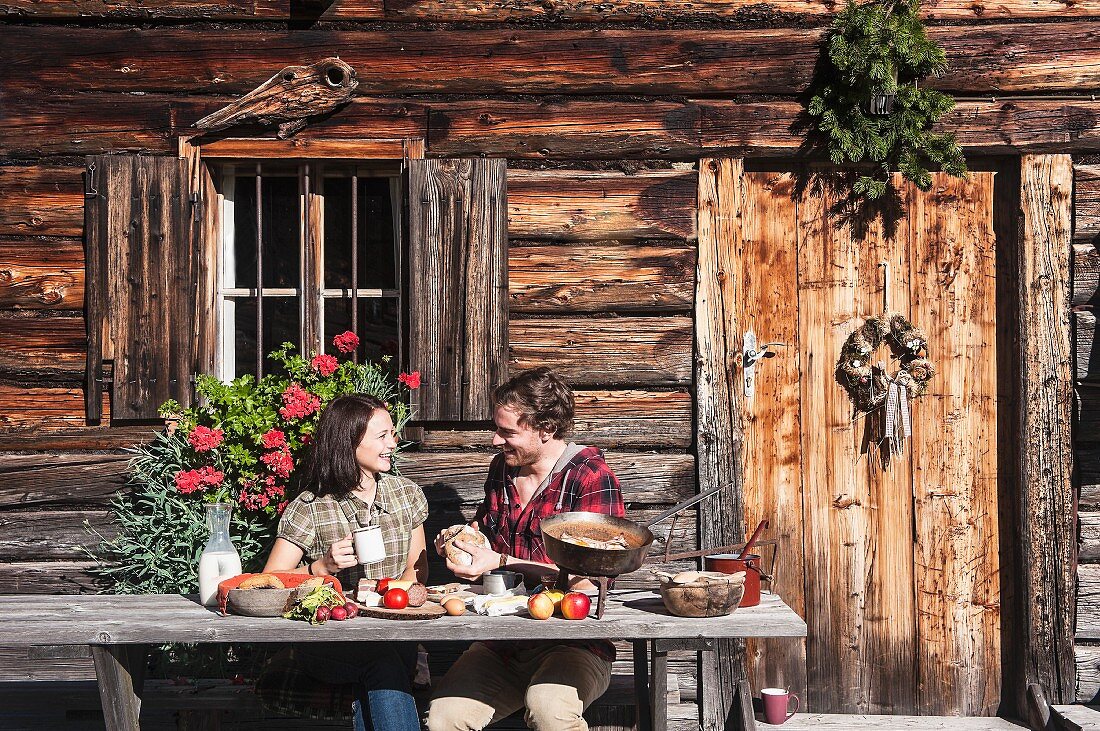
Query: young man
[536, 475]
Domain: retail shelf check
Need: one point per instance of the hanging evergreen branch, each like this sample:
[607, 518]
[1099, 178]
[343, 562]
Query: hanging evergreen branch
[881, 48]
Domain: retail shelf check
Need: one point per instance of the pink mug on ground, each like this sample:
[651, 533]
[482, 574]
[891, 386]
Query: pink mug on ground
[777, 704]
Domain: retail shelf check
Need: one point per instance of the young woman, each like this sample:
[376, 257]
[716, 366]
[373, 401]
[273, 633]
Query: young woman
[346, 487]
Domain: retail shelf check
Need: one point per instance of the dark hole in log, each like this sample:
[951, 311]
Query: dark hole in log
[335, 76]
[288, 77]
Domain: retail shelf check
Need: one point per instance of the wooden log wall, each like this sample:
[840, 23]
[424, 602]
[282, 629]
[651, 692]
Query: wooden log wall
[605, 105]
[1084, 298]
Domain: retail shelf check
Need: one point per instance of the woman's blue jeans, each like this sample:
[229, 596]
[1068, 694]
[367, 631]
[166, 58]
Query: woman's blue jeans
[384, 672]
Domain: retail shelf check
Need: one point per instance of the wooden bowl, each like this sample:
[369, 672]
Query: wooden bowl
[258, 602]
[712, 599]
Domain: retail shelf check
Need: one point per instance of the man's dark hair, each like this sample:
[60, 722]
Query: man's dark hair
[543, 400]
[332, 467]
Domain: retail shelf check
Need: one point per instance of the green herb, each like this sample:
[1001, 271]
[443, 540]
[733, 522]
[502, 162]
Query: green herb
[305, 609]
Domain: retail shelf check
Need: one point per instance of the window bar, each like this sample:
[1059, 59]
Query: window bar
[355, 259]
[259, 275]
[397, 194]
[305, 274]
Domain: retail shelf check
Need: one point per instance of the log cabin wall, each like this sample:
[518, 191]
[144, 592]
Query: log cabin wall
[601, 109]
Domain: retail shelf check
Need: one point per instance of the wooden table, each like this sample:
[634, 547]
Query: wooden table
[120, 630]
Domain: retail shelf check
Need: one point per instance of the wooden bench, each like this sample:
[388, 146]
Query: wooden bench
[119, 629]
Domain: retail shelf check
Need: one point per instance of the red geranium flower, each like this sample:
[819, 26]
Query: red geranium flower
[324, 364]
[280, 462]
[412, 380]
[346, 341]
[273, 439]
[189, 481]
[298, 402]
[203, 438]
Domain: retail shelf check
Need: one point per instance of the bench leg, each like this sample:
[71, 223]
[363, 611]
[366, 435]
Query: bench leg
[644, 717]
[120, 672]
[658, 688]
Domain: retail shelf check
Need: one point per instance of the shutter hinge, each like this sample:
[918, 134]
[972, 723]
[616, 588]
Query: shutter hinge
[196, 202]
[89, 191]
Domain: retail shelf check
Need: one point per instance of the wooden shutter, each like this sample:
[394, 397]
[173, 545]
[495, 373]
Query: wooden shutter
[458, 280]
[145, 293]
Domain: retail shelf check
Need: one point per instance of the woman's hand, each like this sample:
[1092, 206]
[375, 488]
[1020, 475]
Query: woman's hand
[340, 555]
[485, 560]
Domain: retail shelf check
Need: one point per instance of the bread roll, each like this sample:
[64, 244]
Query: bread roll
[262, 581]
[467, 535]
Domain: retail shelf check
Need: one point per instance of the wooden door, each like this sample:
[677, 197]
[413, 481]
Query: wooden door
[896, 571]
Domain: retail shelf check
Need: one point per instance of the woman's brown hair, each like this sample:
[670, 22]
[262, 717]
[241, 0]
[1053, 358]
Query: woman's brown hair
[332, 468]
[543, 400]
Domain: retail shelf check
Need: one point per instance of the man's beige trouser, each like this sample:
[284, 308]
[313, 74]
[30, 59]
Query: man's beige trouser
[555, 683]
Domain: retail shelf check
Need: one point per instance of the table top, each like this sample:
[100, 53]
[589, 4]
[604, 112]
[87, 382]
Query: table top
[156, 618]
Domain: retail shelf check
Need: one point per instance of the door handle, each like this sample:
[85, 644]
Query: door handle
[751, 354]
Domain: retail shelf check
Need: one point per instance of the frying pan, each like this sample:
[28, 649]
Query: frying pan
[587, 561]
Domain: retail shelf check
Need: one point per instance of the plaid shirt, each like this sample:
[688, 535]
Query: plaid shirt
[314, 523]
[585, 483]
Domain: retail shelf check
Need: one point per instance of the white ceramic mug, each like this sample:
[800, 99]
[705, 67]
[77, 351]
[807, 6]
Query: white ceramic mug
[499, 581]
[369, 546]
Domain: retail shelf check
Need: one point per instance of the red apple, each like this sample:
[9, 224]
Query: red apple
[575, 605]
[540, 606]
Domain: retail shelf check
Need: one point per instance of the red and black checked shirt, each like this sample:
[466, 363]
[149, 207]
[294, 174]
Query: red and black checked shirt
[585, 483]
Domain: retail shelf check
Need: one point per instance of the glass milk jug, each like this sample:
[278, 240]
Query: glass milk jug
[219, 559]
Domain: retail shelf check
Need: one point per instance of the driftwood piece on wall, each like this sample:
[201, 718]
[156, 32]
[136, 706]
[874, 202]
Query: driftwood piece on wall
[289, 98]
[1045, 416]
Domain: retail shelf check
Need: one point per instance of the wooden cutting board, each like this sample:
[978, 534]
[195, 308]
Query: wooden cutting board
[430, 610]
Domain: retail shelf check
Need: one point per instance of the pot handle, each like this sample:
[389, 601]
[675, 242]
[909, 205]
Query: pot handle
[685, 504]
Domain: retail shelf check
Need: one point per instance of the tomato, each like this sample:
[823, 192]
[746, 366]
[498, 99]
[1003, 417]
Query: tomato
[395, 599]
[382, 584]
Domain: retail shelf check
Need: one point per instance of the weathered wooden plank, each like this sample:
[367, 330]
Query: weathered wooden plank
[1002, 58]
[1088, 600]
[598, 352]
[62, 479]
[766, 262]
[1086, 274]
[955, 465]
[1084, 341]
[19, 667]
[459, 478]
[719, 432]
[75, 124]
[600, 278]
[147, 9]
[41, 287]
[52, 535]
[1089, 542]
[1086, 203]
[579, 204]
[1087, 662]
[1076, 717]
[603, 11]
[43, 251]
[34, 410]
[46, 577]
[1046, 398]
[606, 419]
[569, 128]
[575, 129]
[66, 438]
[43, 349]
[41, 200]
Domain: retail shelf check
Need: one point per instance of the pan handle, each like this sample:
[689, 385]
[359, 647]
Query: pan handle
[685, 504]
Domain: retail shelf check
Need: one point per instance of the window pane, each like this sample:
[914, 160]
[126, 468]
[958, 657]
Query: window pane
[377, 262]
[377, 327]
[281, 321]
[282, 253]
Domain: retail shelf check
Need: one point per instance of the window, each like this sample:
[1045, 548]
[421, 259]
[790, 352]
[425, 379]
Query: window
[309, 251]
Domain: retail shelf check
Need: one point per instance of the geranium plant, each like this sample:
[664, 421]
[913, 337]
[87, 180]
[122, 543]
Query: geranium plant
[244, 443]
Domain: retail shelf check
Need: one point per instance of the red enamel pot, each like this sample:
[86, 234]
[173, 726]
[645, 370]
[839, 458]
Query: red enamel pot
[729, 563]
